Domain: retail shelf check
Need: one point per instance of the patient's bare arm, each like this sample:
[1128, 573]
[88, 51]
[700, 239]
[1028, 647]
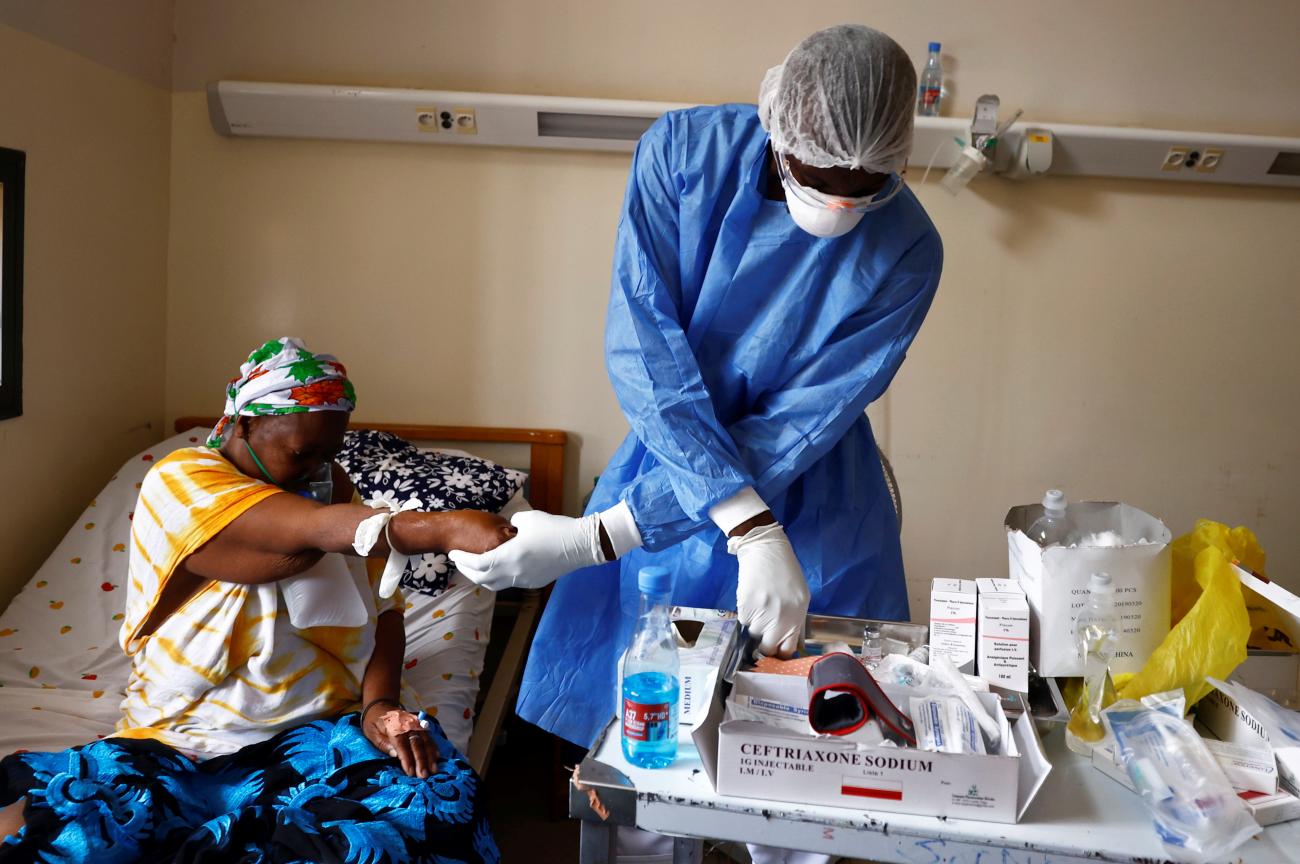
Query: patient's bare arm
[285, 534]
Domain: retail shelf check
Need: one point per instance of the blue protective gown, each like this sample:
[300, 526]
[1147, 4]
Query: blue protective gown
[743, 352]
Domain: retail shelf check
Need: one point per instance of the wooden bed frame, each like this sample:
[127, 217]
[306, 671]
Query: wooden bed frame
[545, 492]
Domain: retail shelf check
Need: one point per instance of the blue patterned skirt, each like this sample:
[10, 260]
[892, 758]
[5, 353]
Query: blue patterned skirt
[319, 792]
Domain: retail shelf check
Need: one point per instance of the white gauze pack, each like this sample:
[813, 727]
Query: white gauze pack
[945, 725]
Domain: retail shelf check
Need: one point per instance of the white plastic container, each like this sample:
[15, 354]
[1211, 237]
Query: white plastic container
[968, 164]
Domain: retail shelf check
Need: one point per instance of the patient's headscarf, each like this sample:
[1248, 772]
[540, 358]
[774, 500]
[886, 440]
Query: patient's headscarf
[283, 377]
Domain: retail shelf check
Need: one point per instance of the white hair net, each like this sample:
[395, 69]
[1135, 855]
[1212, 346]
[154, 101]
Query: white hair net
[843, 98]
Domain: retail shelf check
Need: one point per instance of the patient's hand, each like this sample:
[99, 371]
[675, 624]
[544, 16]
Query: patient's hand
[400, 734]
[476, 531]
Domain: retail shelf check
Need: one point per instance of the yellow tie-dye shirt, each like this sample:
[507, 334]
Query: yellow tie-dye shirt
[226, 669]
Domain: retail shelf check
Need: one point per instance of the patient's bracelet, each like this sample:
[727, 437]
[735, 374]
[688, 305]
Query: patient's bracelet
[373, 702]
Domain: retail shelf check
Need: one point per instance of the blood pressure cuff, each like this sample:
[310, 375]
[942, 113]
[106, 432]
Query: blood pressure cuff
[843, 696]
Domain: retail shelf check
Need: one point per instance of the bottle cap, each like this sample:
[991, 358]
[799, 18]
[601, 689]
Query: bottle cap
[934, 46]
[1054, 502]
[654, 580]
[1100, 583]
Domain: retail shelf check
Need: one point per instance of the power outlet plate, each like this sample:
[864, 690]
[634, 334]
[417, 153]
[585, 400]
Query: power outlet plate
[1211, 157]
[426, 119]
[464, 121]
[1175, 158]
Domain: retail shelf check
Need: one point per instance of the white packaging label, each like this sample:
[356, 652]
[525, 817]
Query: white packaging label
[1248, 769]
[952, 621]
[1004, 640]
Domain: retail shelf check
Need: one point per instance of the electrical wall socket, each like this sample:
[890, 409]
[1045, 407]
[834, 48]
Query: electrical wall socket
[464, 121]
[1210, 159]
[1204, 160]
[1175, 158]
[426, 119]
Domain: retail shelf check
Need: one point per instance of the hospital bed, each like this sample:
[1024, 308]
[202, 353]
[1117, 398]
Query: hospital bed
[62, 673]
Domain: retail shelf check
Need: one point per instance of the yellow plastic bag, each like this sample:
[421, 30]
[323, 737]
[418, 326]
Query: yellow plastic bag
[1213, 627]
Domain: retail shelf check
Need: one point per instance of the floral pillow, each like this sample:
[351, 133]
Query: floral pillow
[388, 468]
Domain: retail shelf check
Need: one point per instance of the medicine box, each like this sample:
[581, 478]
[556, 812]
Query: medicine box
[952, 622]
[1002, 634]
[754, 760]
[1273, 655]
[1224, 717]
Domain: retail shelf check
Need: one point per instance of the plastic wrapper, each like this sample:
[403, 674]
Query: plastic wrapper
[770, 712]
[945, 674]
[945, 725]
[1197, 813]
[1213, 627]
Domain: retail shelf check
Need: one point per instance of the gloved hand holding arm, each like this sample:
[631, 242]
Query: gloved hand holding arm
[547, 547]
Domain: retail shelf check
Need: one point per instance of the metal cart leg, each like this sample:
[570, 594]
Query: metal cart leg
[598, 843]
[688, 850]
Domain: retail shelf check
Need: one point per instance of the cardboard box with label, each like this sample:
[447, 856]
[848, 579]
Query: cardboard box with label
[756, 760]
[1002, 634]
[1222, 715]
[1055, 582]
[952, 622]
[1273, 656]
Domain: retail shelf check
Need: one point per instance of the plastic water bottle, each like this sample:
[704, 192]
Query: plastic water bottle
[1054, 527]
[650, 677]
[930, 89]
[1095, 632]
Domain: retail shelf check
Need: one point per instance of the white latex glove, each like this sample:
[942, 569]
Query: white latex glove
[546, 547]
[771, 593]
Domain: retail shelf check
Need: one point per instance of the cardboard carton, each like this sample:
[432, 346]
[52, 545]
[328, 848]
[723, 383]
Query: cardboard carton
[952, 622]
[755, 760]
[1055, 582]
[1002, 634]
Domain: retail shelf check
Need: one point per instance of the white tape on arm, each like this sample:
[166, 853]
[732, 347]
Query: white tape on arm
[367, 535]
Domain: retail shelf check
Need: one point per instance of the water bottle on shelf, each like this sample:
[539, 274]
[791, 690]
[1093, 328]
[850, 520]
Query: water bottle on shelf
[650, 677]
[1095, 632]
[930, 88]
[1054, 527]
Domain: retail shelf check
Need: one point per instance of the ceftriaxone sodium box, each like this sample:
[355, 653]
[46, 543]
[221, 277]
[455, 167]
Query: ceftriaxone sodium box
[952, 621]
[1002, 634]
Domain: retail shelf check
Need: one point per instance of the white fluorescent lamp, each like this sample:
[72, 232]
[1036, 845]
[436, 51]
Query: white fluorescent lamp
[242, 108]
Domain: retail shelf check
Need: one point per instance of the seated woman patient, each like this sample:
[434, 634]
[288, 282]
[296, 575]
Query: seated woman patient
[262, 719]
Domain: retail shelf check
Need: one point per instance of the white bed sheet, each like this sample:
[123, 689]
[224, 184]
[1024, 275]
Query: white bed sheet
[62, 674]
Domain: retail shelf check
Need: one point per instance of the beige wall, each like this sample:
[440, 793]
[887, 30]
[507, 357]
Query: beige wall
[96, 241]
[129, 36]
[1124, 339]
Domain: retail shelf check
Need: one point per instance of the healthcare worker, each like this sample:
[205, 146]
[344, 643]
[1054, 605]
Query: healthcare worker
[770, 271]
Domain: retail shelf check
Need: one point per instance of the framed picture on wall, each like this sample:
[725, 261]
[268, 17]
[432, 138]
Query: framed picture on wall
[13, 168]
